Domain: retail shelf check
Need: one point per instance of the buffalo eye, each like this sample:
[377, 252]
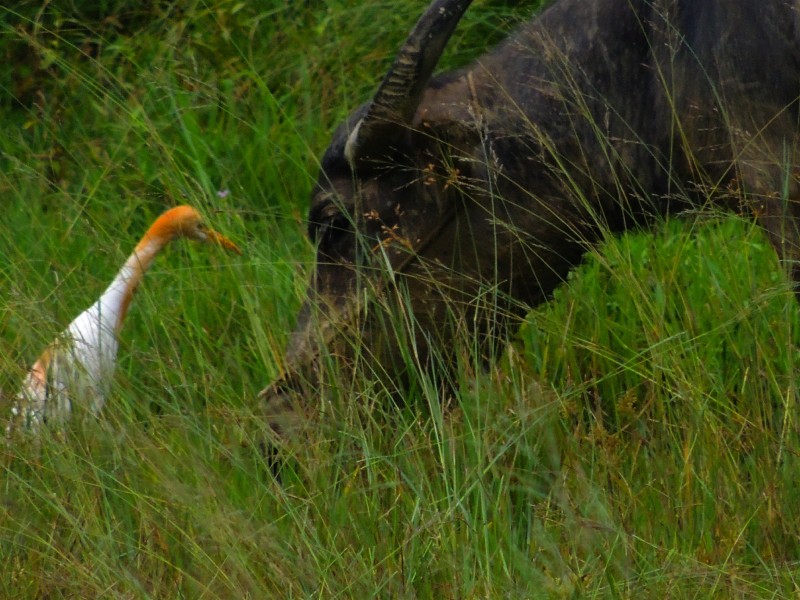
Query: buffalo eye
[327, 220]
[329, 230]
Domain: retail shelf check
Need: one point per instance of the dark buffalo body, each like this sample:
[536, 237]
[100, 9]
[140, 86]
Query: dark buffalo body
[456, 202]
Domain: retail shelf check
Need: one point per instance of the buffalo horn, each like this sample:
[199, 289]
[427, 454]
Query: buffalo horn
[394, 104]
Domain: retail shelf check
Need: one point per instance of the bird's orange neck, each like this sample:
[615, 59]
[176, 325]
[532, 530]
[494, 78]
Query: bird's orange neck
[118, 296]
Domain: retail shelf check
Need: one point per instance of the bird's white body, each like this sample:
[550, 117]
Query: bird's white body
[76, 369]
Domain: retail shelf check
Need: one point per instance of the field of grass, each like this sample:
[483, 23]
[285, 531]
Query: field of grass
[639, 439]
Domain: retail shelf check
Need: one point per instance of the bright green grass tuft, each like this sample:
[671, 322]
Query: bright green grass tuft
[639, 439]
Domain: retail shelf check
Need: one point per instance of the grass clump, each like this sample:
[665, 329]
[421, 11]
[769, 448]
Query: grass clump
[638, 439]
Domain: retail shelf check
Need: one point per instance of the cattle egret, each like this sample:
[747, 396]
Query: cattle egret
[78, 366]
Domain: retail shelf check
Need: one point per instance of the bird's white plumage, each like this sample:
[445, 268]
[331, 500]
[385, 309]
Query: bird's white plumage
[80, 363]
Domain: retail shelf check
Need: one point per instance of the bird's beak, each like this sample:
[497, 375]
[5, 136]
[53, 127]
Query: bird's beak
[221, 240]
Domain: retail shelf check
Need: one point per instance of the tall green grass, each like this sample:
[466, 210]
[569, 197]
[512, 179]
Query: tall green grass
[638, 438]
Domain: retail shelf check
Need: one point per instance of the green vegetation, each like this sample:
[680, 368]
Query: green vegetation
[639, 439]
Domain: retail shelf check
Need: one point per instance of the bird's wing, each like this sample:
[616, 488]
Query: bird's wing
[72, 370]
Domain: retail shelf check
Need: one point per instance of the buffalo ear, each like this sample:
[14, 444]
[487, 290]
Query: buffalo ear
[395, 103]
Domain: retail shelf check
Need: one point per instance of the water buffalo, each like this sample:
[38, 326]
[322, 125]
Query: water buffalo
[449, 205]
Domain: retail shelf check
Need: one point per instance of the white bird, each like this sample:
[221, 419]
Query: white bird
[77, 367]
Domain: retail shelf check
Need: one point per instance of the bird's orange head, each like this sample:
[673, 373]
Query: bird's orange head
[185, 221]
